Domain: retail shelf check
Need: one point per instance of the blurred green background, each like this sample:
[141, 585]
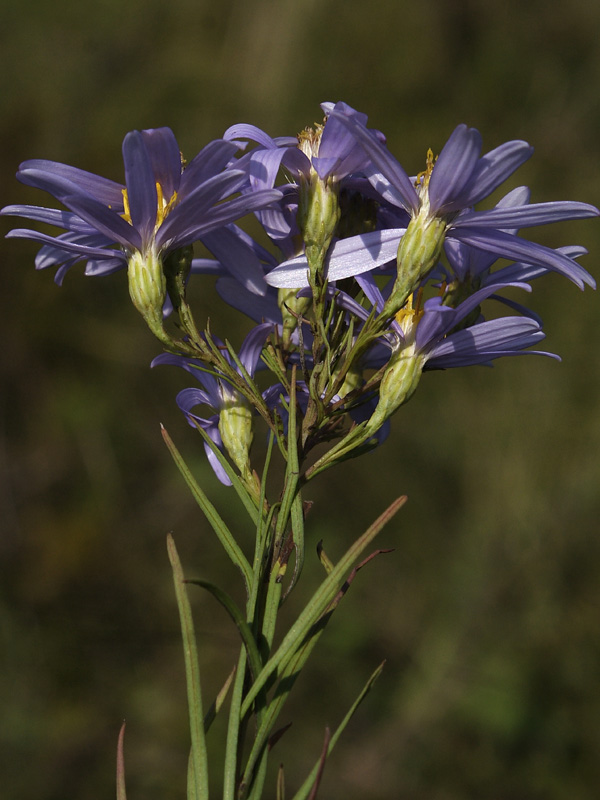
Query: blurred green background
[488, 611]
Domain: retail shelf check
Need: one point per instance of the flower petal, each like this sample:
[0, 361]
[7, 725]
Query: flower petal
[237, 258]
[346, 257]
[493, 169]
[506, 245]
[453, 168]
[104, 220]
[165, 158]
[51, 216]
[527, 216]
[400, 185]
[141, 186]
[103, 189]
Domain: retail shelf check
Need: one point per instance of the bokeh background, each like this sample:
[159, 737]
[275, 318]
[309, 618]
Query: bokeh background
[488, 610]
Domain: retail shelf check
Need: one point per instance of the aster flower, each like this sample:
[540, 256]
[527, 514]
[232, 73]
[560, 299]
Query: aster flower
[163, 207]
[326, 168]
[440, 209]
[329, 150]
[433, 336]
[436, 334]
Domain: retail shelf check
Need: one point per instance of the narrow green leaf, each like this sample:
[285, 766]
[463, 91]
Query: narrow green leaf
[256, 790]
[290, 672]
[309, 783]
[225, 536]
[229, 605]
[199, 788]
[317, 605]
[121, 793]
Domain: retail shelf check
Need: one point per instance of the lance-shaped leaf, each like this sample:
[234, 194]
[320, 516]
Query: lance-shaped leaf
[291, 671]
[318, 605]
[210, 512]
[198, 788]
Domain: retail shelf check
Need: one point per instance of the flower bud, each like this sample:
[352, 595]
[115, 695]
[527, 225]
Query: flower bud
[418, 253]
[236, 429]
[404, 368]
[398, 384]
[147, 286]
[318, 215]
[318, 207]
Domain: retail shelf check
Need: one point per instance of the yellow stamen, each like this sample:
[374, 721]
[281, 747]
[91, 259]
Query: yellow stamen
[310, 139]
[422, 178]
[126, 215]
[163, 207]
[411, 312]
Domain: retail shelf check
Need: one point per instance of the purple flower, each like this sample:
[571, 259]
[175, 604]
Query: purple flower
[162, 206]
[434, 334]
[326, 154]
[442, 200]
[330, 149]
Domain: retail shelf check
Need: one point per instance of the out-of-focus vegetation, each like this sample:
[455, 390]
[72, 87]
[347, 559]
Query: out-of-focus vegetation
[488, 612]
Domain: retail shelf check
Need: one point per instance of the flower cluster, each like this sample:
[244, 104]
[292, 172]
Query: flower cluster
[380, 276]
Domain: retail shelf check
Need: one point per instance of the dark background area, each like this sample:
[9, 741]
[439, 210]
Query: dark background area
[488, 610]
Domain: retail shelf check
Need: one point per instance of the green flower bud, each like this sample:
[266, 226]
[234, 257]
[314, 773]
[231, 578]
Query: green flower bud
[398, 384]
[236, 429]
[420, 247]
[418, 253]
[318, 208]
[147, 287]
[404, 369]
